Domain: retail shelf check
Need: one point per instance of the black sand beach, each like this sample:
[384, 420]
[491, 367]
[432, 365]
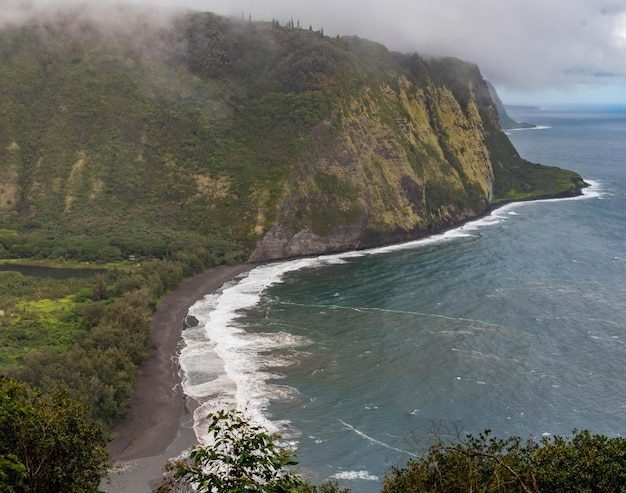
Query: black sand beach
[158, 424]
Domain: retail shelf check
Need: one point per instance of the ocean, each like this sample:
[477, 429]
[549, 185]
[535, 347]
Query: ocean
[515, 323]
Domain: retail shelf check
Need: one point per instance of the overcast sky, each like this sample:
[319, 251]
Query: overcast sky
[533, 51]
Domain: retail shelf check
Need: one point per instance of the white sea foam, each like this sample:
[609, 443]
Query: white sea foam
[355, 475]
[525, 129]
[224, 366]
[374, 440]
[594, 189]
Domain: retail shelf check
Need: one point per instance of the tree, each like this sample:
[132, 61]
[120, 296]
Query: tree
[100, 289]
[13, 474]
[48, 442]
[242, 457]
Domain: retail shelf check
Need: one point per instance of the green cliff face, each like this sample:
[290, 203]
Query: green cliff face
[271, 140]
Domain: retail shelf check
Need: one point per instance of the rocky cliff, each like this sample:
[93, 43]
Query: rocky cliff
[207, 132]
[506, 121]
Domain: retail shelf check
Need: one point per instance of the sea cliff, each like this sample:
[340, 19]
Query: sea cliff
[249, 139]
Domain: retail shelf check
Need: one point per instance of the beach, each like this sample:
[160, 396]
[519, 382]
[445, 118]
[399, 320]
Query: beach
[158, 425]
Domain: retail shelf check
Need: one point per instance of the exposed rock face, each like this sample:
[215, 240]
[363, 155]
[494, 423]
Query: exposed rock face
[281, 243]
[382, 180]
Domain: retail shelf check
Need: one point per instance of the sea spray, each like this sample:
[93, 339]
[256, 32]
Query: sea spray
[225, 366]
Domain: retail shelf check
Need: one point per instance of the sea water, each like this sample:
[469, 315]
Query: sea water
[514, 323]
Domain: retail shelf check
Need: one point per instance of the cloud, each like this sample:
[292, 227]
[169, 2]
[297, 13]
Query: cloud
[133, 21]
[520, 45]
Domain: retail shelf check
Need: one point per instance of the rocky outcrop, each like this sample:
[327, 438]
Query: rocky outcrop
[281, 243]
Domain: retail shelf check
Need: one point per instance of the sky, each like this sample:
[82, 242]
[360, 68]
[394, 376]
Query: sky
[533, 51]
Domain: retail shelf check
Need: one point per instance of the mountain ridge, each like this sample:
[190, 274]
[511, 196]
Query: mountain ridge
[253, 139]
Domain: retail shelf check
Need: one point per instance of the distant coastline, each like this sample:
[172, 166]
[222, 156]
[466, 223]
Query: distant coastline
[506, 122]
[521, 107]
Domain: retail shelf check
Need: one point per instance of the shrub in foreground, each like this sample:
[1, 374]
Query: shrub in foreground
[242, 457]
[580, 463]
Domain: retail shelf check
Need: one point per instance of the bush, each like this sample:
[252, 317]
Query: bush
[242, 457]
[581, 463]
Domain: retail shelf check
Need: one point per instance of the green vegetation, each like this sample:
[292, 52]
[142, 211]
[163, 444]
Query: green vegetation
[581, 463]
[48, 442]
[114, 145]
[533, 181]
[243, 457]
[36, 313]
[90, 333]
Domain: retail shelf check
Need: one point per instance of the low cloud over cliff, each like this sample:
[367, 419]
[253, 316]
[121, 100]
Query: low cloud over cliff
[575, 47]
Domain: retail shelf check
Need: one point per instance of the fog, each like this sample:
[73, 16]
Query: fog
[533, 51]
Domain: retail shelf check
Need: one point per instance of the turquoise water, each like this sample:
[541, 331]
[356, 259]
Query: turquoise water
[514, 323]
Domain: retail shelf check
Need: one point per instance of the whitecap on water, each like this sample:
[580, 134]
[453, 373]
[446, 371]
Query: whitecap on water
[355, 475]
[223, 365]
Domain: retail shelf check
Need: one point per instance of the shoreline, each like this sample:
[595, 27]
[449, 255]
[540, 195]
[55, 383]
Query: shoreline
[158, 424]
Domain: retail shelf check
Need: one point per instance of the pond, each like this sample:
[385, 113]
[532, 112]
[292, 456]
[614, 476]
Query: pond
[52, 272]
